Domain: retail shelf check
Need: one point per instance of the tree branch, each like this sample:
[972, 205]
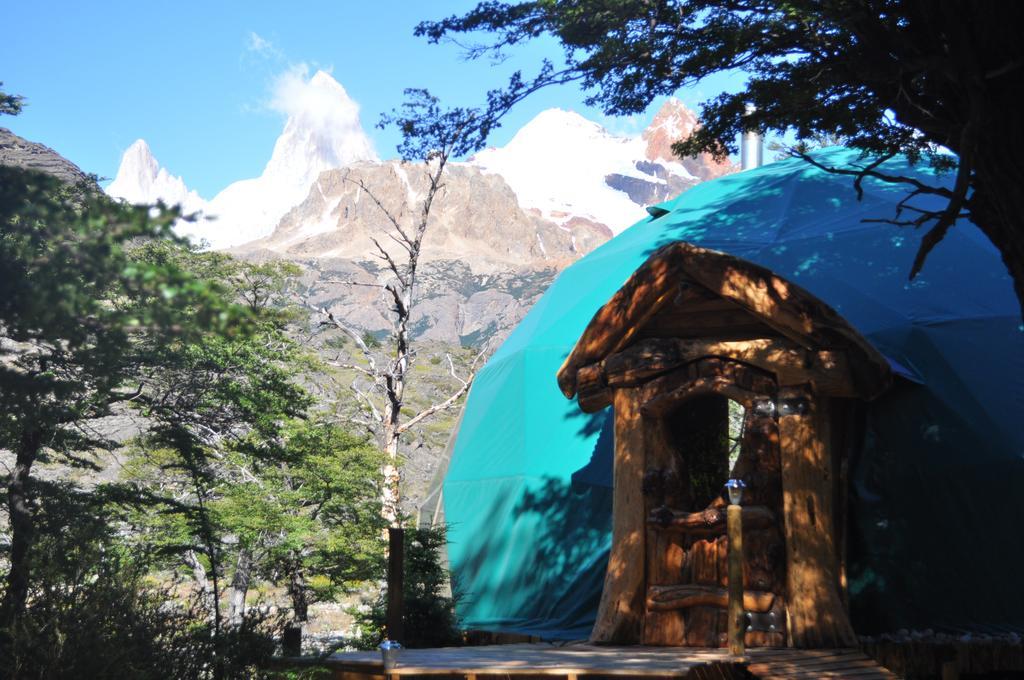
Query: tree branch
[330, 320]
[431, 410]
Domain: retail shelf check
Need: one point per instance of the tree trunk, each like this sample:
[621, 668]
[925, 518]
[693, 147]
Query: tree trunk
[817, 618]
[997, 205]
[292, 639]
[19, 509]
[390, 493]
[192, 561]
[395, 382]
[620, 613]
[239, 587]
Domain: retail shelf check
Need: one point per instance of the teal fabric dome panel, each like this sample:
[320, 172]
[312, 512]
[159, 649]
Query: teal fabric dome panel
[528, 491]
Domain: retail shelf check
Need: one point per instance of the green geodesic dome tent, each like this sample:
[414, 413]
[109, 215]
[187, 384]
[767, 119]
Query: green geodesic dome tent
[940, 475]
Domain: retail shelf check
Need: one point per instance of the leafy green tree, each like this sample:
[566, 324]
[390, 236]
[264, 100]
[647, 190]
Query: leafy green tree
[10, 104]
[73, 305]
[94, 610]
[889, 76]
[314, 520]
[216, 404]
[253, 487]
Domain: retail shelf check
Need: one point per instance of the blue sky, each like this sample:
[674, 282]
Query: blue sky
[194, 79]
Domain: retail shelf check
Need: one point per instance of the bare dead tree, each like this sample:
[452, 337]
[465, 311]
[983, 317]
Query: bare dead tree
[433, 137]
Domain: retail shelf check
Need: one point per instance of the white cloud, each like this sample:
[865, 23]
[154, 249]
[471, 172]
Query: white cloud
[320, 101]
[259, 45]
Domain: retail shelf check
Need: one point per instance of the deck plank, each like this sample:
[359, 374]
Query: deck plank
[582, 660]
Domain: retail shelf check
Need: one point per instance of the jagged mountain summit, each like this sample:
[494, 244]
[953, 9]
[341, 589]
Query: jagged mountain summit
[504, 224]
[322, 132]
[140, 179]
[672, 123]
[562, 186]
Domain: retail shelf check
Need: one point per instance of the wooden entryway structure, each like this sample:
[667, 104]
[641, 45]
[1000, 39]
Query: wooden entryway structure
[692, 331]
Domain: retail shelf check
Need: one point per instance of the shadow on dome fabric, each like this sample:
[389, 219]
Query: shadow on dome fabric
[938, 479]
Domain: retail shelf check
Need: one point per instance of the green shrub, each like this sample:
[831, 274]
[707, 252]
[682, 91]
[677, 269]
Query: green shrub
[95, 611]
[430, 617]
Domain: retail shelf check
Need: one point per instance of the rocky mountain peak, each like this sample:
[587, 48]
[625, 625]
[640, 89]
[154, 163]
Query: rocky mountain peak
[564, 166]
[557, 164]
[675, 122]
[137, 161]
[559, 126]
[476, 219]
[140, 179]
[325, 80]
[18, 152]
[323, 131]
[672, 123]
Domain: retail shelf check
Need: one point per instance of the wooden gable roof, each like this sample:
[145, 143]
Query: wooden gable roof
[698, 283]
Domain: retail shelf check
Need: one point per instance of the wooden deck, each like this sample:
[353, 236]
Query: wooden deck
[580, 660]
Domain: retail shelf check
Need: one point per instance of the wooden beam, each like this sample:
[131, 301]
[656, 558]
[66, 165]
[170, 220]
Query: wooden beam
[661, 598]
[620, 613]
[593, 393]
[663, 403]
[649, 288]
[711, 521]
[666, 554]
[671, 321]
[828, 371]
[816, 617]
[737, 600]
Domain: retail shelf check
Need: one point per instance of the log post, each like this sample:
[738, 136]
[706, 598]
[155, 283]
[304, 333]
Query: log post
[396, 585]
[620, 614]
[817, 617]
[737, 646]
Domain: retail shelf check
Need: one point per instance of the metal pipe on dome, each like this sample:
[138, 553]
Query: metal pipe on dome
[751, 146]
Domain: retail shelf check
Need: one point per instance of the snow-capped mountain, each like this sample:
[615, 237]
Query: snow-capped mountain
[323, 132]
[140, 179]
[564, 171]
[566, 167]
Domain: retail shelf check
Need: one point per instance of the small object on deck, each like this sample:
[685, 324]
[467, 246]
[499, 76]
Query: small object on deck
[389, 651]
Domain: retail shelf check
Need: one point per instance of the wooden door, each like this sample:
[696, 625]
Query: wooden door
[686, 543]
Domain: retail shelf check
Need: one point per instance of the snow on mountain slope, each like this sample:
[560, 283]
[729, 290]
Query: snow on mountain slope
[557, 163]
[564, 166]
[323, 132]
[140, 179]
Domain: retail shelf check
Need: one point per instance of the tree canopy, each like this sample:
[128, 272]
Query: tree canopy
[913, 77]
